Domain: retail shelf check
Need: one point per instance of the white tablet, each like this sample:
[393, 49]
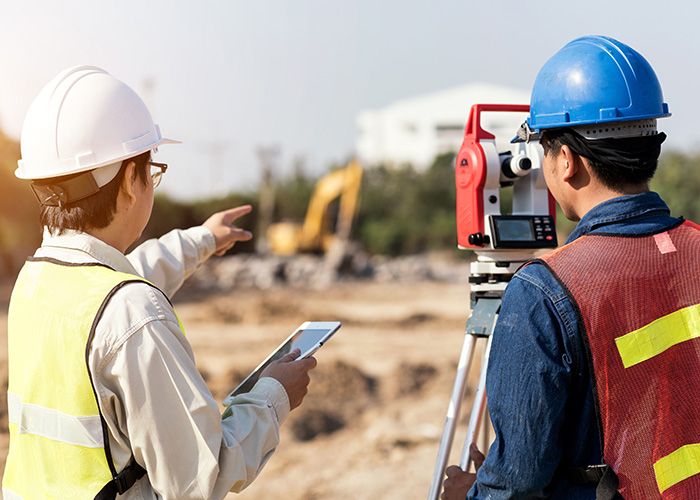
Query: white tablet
[308, 338]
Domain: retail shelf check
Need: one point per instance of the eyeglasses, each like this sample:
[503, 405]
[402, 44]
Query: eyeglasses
[157, 175]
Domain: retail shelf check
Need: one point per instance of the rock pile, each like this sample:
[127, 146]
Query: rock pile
[266, 271]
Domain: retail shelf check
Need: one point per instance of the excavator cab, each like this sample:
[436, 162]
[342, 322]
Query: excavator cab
[317, 234]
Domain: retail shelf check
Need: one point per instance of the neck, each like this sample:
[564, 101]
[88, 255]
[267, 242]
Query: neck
[113, 236]
[125, 227]
[600, 194]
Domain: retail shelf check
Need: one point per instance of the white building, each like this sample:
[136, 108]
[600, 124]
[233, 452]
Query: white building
[416, 130]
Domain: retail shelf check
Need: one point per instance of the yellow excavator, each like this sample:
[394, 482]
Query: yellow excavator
[317, 233]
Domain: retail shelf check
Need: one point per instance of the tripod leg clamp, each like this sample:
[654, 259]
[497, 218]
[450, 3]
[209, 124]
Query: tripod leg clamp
[483, 317]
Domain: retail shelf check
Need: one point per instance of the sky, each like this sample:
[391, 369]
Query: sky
[231, 78]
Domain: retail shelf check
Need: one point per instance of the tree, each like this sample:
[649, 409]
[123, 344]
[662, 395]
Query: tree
[20, 233]
[678, 183]
[403, 211]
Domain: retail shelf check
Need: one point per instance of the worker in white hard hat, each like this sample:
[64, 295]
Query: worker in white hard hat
[104, 397]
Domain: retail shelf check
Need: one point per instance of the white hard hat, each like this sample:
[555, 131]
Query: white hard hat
[84, 119]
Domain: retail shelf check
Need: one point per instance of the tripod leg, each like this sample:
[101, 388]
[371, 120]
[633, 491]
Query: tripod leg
[478, 409]
[480, 324]
[465, 361]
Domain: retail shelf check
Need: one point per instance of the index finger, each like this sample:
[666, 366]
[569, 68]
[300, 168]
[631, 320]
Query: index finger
[230, 215]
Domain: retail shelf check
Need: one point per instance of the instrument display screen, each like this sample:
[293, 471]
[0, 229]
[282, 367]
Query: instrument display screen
[523, 231]
[515, 229]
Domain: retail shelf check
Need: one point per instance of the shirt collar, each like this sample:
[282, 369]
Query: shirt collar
[78, 247]
[623, 208]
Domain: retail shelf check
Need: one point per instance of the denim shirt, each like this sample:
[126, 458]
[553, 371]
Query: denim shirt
[538, 383]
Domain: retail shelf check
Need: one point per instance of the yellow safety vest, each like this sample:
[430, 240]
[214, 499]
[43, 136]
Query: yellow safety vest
[57, 434]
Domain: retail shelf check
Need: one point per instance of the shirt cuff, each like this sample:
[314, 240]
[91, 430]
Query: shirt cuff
[275, 394]
[204, 239]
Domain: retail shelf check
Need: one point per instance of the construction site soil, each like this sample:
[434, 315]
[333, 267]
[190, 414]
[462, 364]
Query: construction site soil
[371, 424]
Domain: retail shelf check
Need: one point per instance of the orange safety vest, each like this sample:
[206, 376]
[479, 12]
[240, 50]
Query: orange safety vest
[638, 303]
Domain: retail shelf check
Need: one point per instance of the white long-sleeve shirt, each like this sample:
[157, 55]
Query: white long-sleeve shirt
[155, 402]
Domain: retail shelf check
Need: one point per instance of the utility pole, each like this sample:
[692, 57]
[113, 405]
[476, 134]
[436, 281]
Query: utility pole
[215, 150]
[267, 156]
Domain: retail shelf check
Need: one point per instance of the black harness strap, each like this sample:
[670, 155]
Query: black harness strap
[125, 479]
[122, 481]
[607, 487]
[585, 475]
[602, 475]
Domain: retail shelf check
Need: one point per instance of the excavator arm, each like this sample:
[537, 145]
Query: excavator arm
[344, 183]
[316, 233]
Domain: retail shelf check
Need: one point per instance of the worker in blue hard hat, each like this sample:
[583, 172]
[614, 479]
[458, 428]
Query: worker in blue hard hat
[104, 396]
[594, 377]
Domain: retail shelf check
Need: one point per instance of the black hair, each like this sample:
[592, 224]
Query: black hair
[97, 210]
[618, 163]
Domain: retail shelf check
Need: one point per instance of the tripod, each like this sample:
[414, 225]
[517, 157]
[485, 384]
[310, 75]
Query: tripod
[488, 280]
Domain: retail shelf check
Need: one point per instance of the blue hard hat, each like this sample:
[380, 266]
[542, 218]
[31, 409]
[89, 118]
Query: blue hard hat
[592, 80]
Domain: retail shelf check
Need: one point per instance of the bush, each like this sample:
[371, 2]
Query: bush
[404, 212]
[169, 214]
[676, 180]
[20, 233]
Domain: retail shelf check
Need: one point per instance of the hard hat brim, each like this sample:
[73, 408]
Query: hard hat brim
[34, 174]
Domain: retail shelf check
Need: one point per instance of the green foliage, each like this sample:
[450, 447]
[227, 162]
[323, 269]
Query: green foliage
[292, 196]
[401, 211]
[169, 214]
[404, 212]
[19, 212]
[678, 183]
[564, 226]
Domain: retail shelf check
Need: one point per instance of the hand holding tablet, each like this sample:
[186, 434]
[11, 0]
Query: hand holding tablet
[308, 338]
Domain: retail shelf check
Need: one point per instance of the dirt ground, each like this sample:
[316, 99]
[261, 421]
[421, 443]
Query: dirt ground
[371, 424]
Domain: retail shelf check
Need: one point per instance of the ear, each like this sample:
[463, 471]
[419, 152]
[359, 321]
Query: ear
[572, 163]
[128, 187]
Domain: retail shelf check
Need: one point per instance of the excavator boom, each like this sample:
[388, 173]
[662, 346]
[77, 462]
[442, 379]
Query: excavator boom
[316, 233]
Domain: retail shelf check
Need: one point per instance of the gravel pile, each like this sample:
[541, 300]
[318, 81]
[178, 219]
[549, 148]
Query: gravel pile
[266, 271]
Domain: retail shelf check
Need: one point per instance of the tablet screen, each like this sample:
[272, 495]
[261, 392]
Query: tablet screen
[307, 340]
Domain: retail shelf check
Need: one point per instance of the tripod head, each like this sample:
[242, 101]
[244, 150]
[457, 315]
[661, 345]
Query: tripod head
[502, 242]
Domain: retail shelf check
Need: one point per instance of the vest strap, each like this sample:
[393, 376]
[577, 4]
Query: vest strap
[602, 475]
[122, 481]
[585, 475]
[607, 487]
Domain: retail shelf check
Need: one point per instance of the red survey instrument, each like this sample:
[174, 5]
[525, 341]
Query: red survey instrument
[480, 173]
[503, 235]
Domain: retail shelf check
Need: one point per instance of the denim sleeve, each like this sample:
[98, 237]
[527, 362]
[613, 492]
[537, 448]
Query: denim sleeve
[534, 356]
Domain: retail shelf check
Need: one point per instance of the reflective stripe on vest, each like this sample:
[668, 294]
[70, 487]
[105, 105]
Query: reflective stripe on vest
[638, 300]
[56, 435]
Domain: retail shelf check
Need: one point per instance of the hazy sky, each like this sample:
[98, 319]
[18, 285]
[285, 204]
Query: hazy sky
[228, 76]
